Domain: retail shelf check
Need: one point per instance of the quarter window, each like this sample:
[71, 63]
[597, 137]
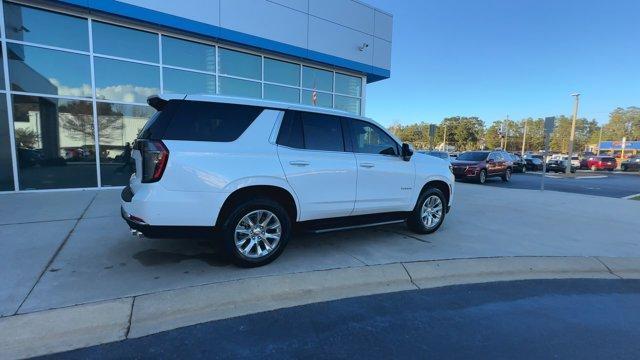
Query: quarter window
[291, 131]
[369, 139]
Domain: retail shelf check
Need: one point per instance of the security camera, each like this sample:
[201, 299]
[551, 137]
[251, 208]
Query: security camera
[363, 46]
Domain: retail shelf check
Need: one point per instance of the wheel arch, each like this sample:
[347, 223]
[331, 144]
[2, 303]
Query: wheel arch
[279, 194]
[440, 185]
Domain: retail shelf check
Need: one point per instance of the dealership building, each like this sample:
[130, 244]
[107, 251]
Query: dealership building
[76, 73]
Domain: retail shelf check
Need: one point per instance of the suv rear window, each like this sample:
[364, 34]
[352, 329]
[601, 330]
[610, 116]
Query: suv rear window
[206, 121]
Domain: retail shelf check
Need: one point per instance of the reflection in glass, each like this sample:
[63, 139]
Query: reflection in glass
[240, 64]
[348, 85]
[118, 127]
[188, 54]
[125, 81]
[348, 104]
[28, 24]
[1, 72]
[323, 99]
[242, 88]
[6, 170]
[281, 72]
[124, 42]
[44, 71]
[55, 142]
[187, 82]
[317, 79]
[281, 93]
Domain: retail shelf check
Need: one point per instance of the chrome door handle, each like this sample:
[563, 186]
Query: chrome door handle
[299, 163]
[367, 165]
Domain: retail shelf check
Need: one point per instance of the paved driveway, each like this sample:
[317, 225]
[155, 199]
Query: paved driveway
[67, 248]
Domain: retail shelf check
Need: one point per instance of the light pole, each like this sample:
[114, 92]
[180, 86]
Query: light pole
[599, 140]
[506, 135]
[445, 139]
[573, 131]
[524, 137]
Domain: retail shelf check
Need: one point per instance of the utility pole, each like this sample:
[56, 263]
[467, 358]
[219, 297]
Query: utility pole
[573, 131]
[599, 140]
[445, 139]
[524, 137]
[506, 135]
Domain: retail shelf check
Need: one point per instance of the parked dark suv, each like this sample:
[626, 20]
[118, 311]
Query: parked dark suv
[480, 165]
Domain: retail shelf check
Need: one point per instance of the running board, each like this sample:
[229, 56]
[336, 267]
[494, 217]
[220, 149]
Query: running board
[322, 231]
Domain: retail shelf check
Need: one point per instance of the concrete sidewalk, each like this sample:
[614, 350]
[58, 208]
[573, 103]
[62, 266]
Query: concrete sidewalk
[70, 248]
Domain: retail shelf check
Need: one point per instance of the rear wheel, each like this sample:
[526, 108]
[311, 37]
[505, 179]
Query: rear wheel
[429, 212]
[506, 177]
[256, 232]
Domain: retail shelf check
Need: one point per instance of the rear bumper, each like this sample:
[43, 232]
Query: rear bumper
[159, 231]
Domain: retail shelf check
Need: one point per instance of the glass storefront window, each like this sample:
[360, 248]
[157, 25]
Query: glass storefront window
[187, 82]
[238, 87]
[125, 81]
[281, 72]
[188, 54]
[6, 169]
[54, 142]
[24, 23]
[281, 93]
[240, 64]
[323, 99]
[124, 42]
[348, 85]
[317, 79]
[118, 127]
[348, 104]
[1, 72]
[44, 71]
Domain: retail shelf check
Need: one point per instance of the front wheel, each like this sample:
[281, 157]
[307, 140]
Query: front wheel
[429, 212]
[256, 232]
[506, 177]
[482, 177]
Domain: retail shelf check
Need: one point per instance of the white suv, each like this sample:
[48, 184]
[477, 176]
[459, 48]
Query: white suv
[249, 171]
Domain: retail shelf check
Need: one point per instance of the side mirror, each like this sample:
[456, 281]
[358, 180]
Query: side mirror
[407, 152]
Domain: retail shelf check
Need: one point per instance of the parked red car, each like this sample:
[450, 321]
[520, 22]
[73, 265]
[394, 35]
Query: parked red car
[599, 163]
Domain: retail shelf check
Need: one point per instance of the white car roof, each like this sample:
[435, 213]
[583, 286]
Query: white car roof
[270, 104]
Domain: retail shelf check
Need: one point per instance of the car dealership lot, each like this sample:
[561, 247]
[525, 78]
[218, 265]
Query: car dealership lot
[67, 248]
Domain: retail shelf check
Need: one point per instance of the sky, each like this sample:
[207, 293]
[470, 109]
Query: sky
[521, 58]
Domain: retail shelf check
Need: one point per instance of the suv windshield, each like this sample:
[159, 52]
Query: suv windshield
[473, 156]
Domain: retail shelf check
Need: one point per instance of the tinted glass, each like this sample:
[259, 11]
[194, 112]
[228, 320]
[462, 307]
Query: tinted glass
[28, 24]
[34, 69]
[118, 127]
[1, 72]
[281, 72]
[55, 142]
[281, 93]
[188, 54]
[348, 85]
[313, 78]
[125, 81]
[291, 131]
[6, 170]
[607, 159]
[347, 104]
[203, 121]
[322, 99]
[238, 87]
[187, 82]
[369, 139]
[124, 42]
[240, 64]
[322, 132]
[473, 156]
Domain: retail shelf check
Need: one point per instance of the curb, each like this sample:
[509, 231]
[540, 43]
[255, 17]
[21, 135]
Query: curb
[57, 330]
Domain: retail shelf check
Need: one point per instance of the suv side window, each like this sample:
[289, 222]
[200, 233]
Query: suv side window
[208, 121]
[369, 139]
[322, 132]
[492, 156]
[291, 131]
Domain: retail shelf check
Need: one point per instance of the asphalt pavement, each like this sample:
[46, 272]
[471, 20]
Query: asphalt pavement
[579, 318]
[599, 184]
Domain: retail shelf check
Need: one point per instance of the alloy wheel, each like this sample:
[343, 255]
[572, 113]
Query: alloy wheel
[432, 211]
[258, 234]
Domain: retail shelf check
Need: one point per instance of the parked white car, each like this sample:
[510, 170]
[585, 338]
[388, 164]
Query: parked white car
[245, 172]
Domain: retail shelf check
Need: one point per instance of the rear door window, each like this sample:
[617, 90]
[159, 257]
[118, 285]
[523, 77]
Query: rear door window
[322, 132]
[207, 121]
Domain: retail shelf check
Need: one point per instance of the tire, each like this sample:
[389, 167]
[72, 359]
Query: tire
[418, 221]
[524, 169]
[257, 210]
[623, 168]
[482, 176]
[594, 168]
[506, 177]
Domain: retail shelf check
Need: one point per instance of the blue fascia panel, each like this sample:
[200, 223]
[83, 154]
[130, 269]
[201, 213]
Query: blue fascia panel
[159, 18]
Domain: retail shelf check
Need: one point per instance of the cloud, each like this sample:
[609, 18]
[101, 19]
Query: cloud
[126, 93]
[83, 90]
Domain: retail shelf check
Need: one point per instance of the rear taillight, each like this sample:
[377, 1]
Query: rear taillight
[154, 160]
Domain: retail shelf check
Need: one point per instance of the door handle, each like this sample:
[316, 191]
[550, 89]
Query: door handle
[367, 165]
[299, 163]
